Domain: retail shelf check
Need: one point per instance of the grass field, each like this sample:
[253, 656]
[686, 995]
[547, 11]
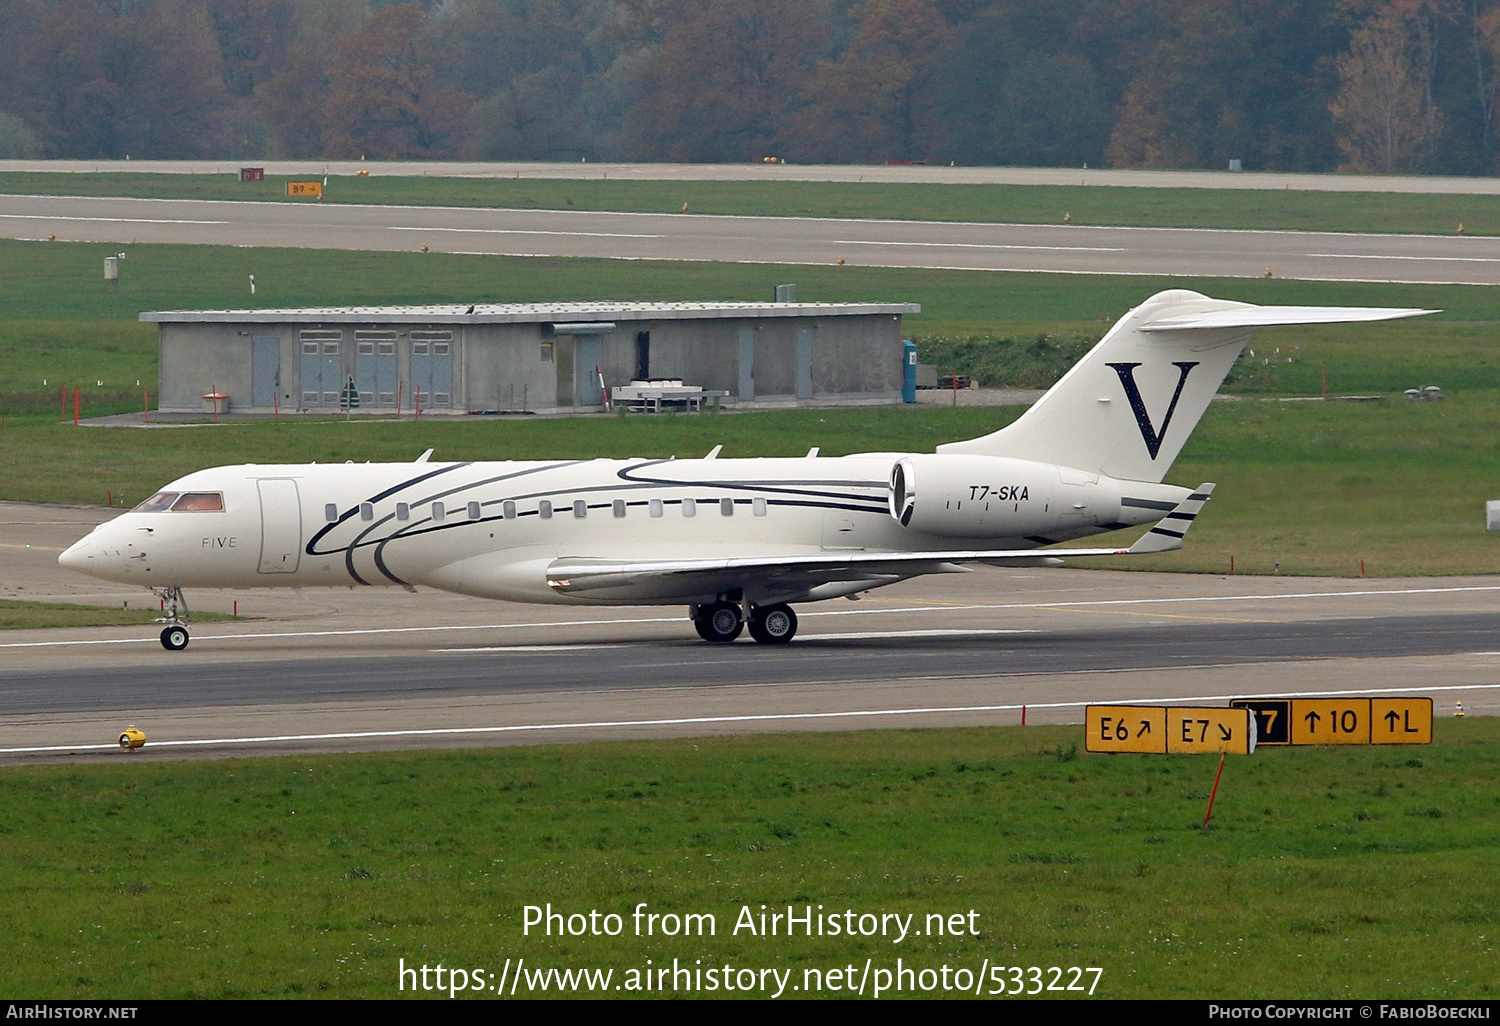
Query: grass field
[1014, 204]
[16, 615]
[60, 323]
[64, 281]
[1326, 872]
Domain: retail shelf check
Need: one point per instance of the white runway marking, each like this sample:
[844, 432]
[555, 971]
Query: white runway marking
[1078, 603]
[345, 633]
[586, 647]
[978, 245]
[106, 220]
[867, 635]
[863, 636]
[756, 718]
[1384, 256]
[517, 231]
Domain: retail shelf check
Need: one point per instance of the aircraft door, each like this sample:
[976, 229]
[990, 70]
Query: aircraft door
[280, 526]
[265, 370]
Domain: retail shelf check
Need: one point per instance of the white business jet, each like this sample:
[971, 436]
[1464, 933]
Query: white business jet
[736, 540]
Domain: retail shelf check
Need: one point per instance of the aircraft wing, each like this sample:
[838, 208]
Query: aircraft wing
[578, 574]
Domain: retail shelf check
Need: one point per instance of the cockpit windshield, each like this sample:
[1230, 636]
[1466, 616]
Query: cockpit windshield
[212, 502]
[157, 502]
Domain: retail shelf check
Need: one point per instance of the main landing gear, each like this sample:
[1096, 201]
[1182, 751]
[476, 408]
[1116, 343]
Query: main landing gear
[174, 636]
[722, 623]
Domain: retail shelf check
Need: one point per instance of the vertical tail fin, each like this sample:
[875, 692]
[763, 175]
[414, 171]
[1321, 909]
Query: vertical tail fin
[1126, 409]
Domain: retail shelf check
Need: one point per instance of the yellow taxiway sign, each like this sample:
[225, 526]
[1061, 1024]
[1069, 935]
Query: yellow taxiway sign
[1158, 730]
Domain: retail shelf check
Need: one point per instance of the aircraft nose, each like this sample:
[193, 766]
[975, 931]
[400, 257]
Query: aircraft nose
[77, 556]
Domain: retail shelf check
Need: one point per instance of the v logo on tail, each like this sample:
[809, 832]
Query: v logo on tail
[1149, 434]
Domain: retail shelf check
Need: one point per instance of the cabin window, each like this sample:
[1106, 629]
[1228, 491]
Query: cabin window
[199, 502]
[580, 509]
[367, 511]
[508, 510]
[473, 511]
[403, 511]
[331, 512]
[439, 512]
[689, 508]
[758, 506]
[726, 507]
[656, 507]
[544, 510]
[157, 502]
[619, 507]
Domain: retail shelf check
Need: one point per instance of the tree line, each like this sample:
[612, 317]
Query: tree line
[1281, 85]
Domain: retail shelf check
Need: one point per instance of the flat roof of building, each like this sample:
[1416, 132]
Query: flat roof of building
[526, 313]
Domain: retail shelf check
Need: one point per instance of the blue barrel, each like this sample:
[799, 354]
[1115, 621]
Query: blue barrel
[908, 371]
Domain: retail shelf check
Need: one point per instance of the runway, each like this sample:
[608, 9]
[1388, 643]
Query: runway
[818, 241]
[342, 670]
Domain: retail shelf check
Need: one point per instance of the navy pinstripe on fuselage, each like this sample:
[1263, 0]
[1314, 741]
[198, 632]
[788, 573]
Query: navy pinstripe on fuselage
[855, 496]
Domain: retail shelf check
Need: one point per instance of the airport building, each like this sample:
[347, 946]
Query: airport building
[542, 357]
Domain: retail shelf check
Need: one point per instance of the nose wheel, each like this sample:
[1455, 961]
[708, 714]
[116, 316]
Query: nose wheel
[174, 636]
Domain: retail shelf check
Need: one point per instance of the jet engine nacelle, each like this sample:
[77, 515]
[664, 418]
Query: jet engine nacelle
[962, 496]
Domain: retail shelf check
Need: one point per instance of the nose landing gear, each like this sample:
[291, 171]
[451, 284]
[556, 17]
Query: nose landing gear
[174, 637]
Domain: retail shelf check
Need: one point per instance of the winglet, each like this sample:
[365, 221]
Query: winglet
[1169, 531]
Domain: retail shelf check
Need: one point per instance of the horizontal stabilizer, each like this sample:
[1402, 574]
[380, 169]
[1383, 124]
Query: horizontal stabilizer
[1272, 316]
[1127, 408]
[1169, 531]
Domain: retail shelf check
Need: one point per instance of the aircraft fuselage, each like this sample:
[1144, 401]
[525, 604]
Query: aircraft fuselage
[492, 528]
